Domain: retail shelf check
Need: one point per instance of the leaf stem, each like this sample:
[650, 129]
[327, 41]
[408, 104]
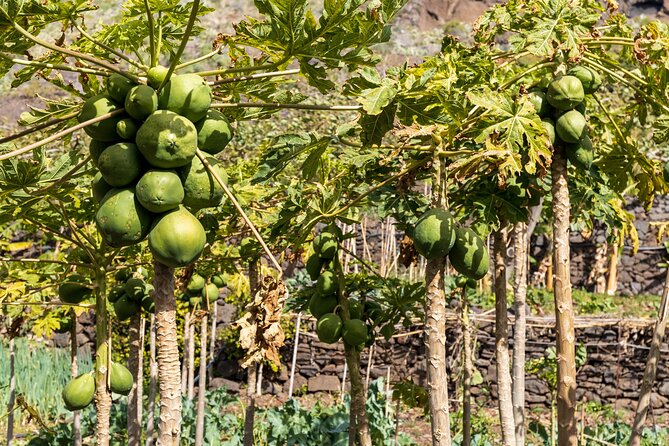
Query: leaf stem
[152, 30]
[524, 73]
[58, 262]
[295, 106]
[199, 59]
[269, 66]
[32, 63]
[184, 41]
[72, 53]
[617, 67]
[59, 135]
[38, 127]
[255, 76]
[239, 208]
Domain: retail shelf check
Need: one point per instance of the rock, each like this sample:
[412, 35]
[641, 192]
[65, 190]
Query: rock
[324, 383]
[227, 369]
[217, 383]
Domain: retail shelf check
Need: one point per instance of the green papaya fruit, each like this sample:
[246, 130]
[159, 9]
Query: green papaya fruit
[469, 255]
[79, 392]
[120, 379]
[156, 75]
[159, 190]
[148, 304]
[195, 285]
[325, 245]
[210, 292]
[434, 233]
[590, 79]
[186, 94]
[581, 154]
[134, 288]
[201, 190]
[120, 164]
[354, 332]
[95, 107]
[95, 148]
[313, 266]
[550, 129]
[665, 172]
[100, 187]
[195, 301]
[127, 129]
[219, 280]
[571, 127]
[356, 309]
[167, 140]
[125, 307]
[320, 305]
[327, 283]
[540, 103]
[141, 102]
[122, 275]
[214, 132]
[115, 293]
[118, 87]
[328, 328]
[74, 289]
[177, 238]
[565, 92]
[121, 220]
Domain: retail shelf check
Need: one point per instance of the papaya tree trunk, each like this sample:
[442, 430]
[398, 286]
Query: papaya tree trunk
[184, 363]
[202, 385]
[74, 372]
[251, 380]
[169, 425]
[564, 310]
[467, 368]
[502, 360]
[435, 336]
[153, 382]
[650, 372]
[135, 365]
[612, 280]
[103, 344]
[519, 328]
[212, 337]
[358, 427]
[191, 360]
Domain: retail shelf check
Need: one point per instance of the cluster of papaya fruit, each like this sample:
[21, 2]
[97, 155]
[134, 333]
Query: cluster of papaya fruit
[75, 289]
[436, 234]
[199, 289]
[79, 392]
[131, 295]
[324, 303]
[149, 178]
[562, 110]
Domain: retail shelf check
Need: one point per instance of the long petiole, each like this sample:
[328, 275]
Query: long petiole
[255, 76]
[32, 63]
[152, 30]
[295, 106]
[269, 66]
[199, 59]
[59, 135]
[184, 41]
[38, 127]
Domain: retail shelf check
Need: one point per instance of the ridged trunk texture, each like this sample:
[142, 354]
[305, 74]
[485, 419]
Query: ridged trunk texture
[650, 372]
[502, 359]
[135, 365]
[74, 372]
[435, 343]
[520, 264]
[191, 360]
[153, 382]
[564, 309]
[251, 379]
[202, 385]
[103, 344]
[169, 376]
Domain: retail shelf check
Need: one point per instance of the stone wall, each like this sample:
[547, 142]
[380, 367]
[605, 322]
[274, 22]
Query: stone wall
[616, 353]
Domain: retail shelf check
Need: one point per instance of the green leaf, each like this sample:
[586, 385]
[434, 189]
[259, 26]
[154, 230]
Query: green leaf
[374, 100]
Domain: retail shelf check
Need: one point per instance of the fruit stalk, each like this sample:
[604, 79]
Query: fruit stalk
[519, 328]
[103, 341]
[136, 368]
[358, 433]
[502, 360]
[169, 425]
[650, 372]
[564, 310]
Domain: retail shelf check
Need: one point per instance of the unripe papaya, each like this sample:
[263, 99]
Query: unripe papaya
[540, 103]
[167, 140]
[320, 305]
[156, 75]
[186, 94]
[195, 285]
[356, 309]
[116, 293]
[469, 255]
[177, 238]
[141, 102]
[219, 280]
[120, 379]
[121, 220]
[210, 292]
[590, 79]
[354, 332]
[550, 129]
[325, 245]
[74, 290]
[565, 92]
[328, 328]
[95, 148]
[313, 266]
[581, 154]
[120, 164]
[118, 87]
[127, 129]
[134, 288]
[100, 187]
[214, 132]
[434, 234]
[201, 190]
[97, 106]
[125, 307]
[79, 392]
[571, 127]
[327, 283]
[160, 190]
[148, 304]
[665, 172]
